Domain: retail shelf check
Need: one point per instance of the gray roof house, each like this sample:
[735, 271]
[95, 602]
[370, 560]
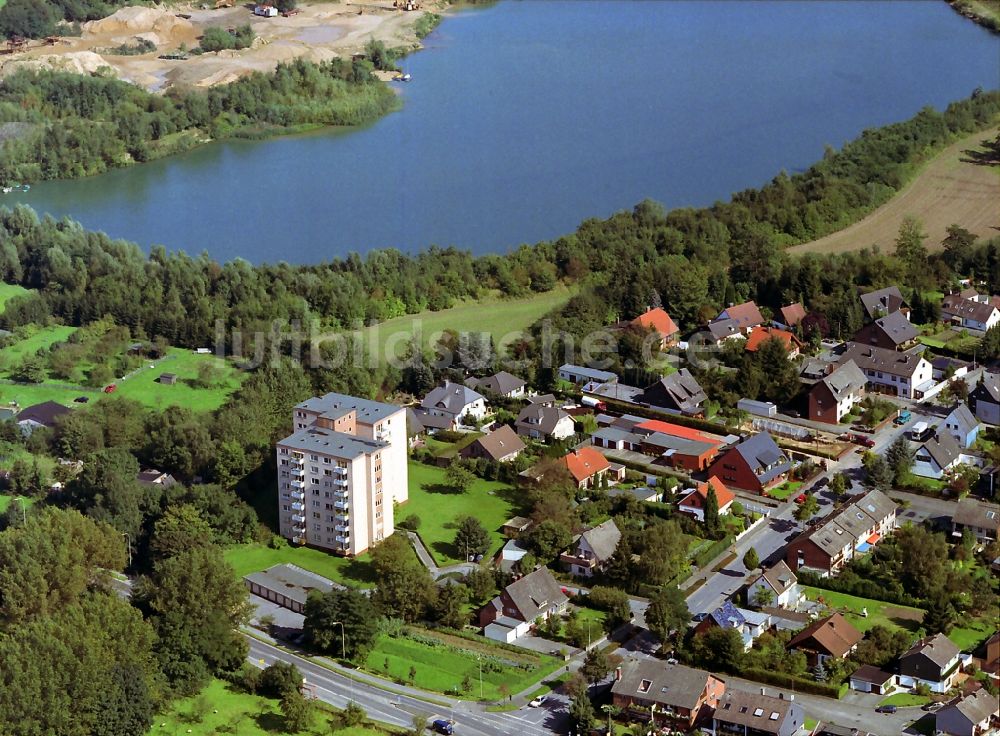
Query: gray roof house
[501, 445]
[782, 583]
[755, 464]
[540, 421]
[835, 395]
[501, 384]
[592, 549]
[741, 711]
[979, 518]
[452, 402]
[969, 716]
[679, 393]
[40, 415]
[892, 331]
[984, 399]
[962, 425]
[883, 301]
[679, 693]
[536, 595]
[937, 455]
[933, 661]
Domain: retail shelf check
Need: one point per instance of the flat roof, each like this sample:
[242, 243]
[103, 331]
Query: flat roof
[291, 581]
[328, 442]
[335, 405]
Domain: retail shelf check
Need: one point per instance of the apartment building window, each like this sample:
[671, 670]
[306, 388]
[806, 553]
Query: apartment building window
[327, 494]
[282, 451]
[341, 464]
[314, 469]
[314, 481]
[316, 504]
[316, 515]
[327, 461]
[316, 527]
[314, 458]
[327, 472]
[284, 473]
[329, 507]
[284, 461]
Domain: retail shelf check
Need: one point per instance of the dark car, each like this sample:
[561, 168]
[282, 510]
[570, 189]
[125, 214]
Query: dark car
[886, 709]
[81, 399]
[443, 726]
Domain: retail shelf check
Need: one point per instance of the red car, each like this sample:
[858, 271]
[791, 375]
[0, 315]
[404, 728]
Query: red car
[801, 498]
[110, 389]
[860, 439]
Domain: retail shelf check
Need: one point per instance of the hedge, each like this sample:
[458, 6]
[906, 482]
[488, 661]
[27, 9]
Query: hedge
[712, 551]
[863, 588]
[783, 679]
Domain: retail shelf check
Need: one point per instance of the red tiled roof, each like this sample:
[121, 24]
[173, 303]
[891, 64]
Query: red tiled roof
[659, 320]
[759, 334]
[676, 430]
[698, 496]
[585, 462]
[793, 314]
[747, 314]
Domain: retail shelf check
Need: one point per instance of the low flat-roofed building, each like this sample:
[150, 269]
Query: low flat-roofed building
[288, 585]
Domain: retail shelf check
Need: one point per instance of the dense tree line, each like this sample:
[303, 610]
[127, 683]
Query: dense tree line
[83, 125]
[37, 18]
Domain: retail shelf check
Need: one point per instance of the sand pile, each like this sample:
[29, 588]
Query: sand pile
[160, 26]
[78, 62]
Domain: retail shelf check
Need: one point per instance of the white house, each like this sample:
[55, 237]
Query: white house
[933, 661]
[937, 456]
[455, 402]
[593, 549]
[782, 584]
[905, 374]
[694, 502]
[976, 313]
[539, 421]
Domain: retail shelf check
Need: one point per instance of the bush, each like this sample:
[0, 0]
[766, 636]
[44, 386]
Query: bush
[279, 679]
[782, 679]
[219, 39]
[410, 523]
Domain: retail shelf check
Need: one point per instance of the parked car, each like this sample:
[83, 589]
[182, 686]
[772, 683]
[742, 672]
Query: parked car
[903, 418]
[443, 726]
[801, 498]
[110, 389]
[81, 399]
[886, 709]
[860, 439]
[537, 702]
[933, 707]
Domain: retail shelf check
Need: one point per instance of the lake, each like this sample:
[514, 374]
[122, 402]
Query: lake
[525, 118]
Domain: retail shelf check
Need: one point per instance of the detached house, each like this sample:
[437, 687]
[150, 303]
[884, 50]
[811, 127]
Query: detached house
[502, 384]
[832, 637]
[581, 374]
[843, 535]
[885, 301]
[792, 315]
[972, 312]
[892, 332]
[745, 317]
[541, 421]
[756, 464]
[502, 445]
[592, 549]
[782, 584]
[672, 695]
[907, 374]
[973, 715]
[657, 319]
[759, 335]
[984, 399]
[962, 425]
[749, 624]
[512, 613]
[587, 466]
[834, 396]
[745, 713]
[448, 405]
[693, 504]
[678, 393]
[937, 456]
[934, 661]
[39, 415]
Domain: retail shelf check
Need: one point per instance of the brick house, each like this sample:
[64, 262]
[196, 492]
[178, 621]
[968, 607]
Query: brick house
[682, 696]
[834, 396]
[892, 332]
[756, 464]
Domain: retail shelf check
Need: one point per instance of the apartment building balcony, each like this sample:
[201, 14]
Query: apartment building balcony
[299, 472]
[297, 461]
[340, 482]
[297, 484]
[342, 528]
[298, 506]
[342, 505]
[296, 493]
[298, 540]
[345, 538]
[382, 435]
[340, 471]
[340, 494]
[298, 519]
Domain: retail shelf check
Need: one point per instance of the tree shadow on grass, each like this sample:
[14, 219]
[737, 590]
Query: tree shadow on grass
[360, 570]
[903, 622]
[441, 488]
[988, 157]
[270, 722]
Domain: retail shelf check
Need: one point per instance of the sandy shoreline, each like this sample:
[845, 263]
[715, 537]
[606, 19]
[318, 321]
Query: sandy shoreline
[319, 32]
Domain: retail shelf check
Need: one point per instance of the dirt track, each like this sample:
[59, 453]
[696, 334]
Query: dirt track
[949, 190]
[319, 32]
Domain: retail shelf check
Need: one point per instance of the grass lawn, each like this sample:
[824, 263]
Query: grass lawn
[785, 490]
[42, 337]
[903, 700]
[968, 637]
[439, 509]
[247, 558]
[496, 316]
[441, 667]
[7, 291]
[919, 483]
[889, 615]
[11, 453]
[220, 708]
[6, 500]
[144, 388]
[36, 393]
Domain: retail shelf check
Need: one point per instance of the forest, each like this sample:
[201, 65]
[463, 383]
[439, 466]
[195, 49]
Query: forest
[76, 125]
[38, 18]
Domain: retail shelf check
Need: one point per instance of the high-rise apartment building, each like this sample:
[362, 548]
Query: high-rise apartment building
[340, 471]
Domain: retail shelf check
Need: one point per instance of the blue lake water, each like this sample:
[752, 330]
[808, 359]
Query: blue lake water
[525, 118]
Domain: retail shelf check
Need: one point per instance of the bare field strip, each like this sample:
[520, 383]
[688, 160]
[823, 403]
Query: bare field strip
[949, 190]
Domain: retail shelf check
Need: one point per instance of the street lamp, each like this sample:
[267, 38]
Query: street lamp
[479, 658]
[128, 543]
[343, 652]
